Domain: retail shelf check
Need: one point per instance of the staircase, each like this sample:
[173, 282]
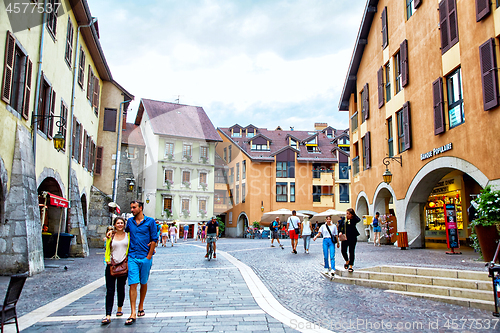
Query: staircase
[465, 288]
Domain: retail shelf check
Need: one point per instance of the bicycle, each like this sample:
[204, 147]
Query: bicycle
[494, 274]
[210, 241]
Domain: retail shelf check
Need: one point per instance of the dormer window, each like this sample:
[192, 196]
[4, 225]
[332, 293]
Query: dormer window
[250, 133]
[259, 147]
[312, 142]
[236, 133]
[293, 143]
[313, 149]
[329, 134]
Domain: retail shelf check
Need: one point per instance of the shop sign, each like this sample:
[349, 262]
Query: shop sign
[58, 201]
[447, 185]
[436, 151]
[451, 227]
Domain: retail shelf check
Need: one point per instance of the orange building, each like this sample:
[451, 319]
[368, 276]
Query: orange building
[422, 95]
[263, 170]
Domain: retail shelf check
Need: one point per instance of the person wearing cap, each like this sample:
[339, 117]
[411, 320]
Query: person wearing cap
[274, 231]
[212, 233]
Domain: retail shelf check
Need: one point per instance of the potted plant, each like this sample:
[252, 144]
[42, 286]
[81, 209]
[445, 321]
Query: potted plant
[204, 160]
[188, 158]
[168, 213]
[169, 184]
[185, 212]
[485, 228]
[170, 157]
[204, 186]
[203, 213]
[186, 184]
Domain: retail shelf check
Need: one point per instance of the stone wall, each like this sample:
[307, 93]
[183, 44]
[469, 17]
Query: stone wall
[79, 246]
[98, 216]
[129, 169]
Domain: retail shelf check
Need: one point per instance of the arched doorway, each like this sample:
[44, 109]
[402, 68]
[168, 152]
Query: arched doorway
[51, 217]
[384, 203]
[241, 225]
[362, 208]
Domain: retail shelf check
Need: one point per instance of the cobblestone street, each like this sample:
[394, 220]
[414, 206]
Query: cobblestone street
[240, 291]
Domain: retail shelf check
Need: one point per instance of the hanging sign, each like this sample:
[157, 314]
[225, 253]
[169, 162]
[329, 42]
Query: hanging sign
[451, 227]
[58, 201]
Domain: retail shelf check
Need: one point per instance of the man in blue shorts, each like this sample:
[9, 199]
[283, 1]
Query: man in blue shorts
[212, 234]
[143, 238]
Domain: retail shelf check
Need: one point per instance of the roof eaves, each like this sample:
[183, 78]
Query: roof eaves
[283, 149]
[229, 138]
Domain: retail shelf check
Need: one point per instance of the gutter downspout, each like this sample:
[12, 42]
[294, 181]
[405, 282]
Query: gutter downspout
[118, 151]
[69, 121]
[38, 79]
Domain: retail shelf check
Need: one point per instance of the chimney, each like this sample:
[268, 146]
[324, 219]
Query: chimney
[320, 126]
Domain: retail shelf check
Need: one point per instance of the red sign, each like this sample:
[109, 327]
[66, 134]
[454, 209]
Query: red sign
[58, 201]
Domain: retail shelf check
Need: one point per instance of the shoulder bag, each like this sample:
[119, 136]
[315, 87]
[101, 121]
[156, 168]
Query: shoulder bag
[297, 230]
[119, 269]
[334, 240]
[343, 237]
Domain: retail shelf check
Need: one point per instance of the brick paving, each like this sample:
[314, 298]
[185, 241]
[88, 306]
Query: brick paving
[185, 289]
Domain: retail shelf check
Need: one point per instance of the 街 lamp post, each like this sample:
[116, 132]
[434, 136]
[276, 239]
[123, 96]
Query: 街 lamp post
[59, 140]
[387, 174]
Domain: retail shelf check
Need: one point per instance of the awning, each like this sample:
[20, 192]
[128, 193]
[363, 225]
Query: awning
[57, 201]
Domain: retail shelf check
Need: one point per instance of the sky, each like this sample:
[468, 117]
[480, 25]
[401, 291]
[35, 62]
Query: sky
[263, 62]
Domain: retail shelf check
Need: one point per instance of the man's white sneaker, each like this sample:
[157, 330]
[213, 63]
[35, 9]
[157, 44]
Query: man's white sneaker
[327, 271]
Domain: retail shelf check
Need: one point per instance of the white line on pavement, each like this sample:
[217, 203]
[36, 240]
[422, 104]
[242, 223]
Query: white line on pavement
[189, 269]
[159, 315]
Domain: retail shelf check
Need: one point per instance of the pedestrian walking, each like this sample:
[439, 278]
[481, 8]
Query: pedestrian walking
[186, 231]
[164, 233]
[348, 228]
[203, 230]
[274, 227]
[305, 231]
[116, 252]
[330, 238]
[143, 240]
[293, 225]
[173, 234]
[377, 228]
[198, 233]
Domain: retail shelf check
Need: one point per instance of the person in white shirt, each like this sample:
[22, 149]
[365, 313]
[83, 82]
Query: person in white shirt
[329, 230]
[305, 231]
[293, 226]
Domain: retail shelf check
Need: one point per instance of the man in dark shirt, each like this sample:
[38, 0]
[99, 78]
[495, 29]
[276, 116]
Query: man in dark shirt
[212, 233]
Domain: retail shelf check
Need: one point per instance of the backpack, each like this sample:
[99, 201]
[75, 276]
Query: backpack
[375, 223]
[274, 224]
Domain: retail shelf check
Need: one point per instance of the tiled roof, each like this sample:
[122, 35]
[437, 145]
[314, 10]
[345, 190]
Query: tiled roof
[279, 140]
[132, 135]
[178, 120]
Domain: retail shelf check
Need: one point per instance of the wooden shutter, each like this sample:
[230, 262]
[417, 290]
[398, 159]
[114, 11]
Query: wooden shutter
[385, 35]
[89, 84]
[95, 98]
[407, 126]
[453, 22]
[489, 74]
[404, 63]
[91, 155]
[81, 68]
[27, 88]
[98, 160]
[73, 140]
[368, 156]
[366, 101]
[52, 112]
[84, 149]
[443, 26]
[69, 42]
[437, 96]
[482, 9]
[80, 146]
[8, 71]
[417, 3]
[380, 81]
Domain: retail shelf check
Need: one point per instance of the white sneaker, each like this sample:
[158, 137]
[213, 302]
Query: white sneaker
[327, 271]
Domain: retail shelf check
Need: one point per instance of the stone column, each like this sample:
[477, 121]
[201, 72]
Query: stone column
[21, 247]
[79, 245]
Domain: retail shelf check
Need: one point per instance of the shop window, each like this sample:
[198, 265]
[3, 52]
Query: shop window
[455, 100]
[390, 138]
[281, 193]
[388, 82]
[243, 193]
[397, 72]
[448, 24]
[343, 193]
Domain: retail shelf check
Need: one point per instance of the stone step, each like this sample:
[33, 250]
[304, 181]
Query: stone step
[445, 292]
[434, 272]
[467, 302]
[419, 279]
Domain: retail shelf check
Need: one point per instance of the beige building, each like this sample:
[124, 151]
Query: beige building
[422, 95]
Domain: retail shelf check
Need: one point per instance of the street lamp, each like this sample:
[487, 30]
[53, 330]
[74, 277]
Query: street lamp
[130, 184]
[262, 205]
[387, 174]
[59, 140]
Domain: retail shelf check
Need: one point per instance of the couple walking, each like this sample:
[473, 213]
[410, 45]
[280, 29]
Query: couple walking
[136, 242]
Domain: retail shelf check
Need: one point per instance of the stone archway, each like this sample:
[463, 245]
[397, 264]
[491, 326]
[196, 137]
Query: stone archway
[362, 208]
[52, 217]
[242, 224]
[411, 208]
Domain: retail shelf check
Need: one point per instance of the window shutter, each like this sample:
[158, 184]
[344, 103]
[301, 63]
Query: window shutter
[80, 146]
[404, 63]
[443, 26]
[98, 160]
[489, 74]
[380, 80]
[95, 98]
[417, 3]
[10, 49]
[366, 101]
[73, 140]
[385, 36]
[27, 88]
[52, 109]
[84, 149]
[437, 96]
[81, 68]
[368, 151]
[407, 125]
[452, 21]
[89, 85]
[69, 42]
[482, 9]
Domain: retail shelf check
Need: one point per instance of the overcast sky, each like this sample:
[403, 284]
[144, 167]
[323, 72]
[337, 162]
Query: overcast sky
[260, 62]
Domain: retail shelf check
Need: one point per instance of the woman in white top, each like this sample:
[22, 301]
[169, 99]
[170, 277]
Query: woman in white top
[173, 234]
[305, 231]
[116, 251]
[328, 230]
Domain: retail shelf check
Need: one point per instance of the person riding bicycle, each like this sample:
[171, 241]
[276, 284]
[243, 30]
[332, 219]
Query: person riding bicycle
[212, 233]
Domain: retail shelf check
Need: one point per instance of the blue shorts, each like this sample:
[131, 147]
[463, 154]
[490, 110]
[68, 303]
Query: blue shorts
[377, 229]
[138, 270]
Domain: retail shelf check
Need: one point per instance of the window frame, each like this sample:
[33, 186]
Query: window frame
[343, 193]
[166, 172]
[398, 84]
[281, 197]
[167, 146]
[68, 53]
[184, 178]
[292, 192]
[410, 9]
[52, 17]
[187, 151]
[387, 73]
[400, 131]
[281, 169]
[390, 137]
[451, 97]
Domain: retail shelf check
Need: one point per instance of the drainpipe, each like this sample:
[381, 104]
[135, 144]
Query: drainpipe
[69, 121]
[38, 81]
[118, 151]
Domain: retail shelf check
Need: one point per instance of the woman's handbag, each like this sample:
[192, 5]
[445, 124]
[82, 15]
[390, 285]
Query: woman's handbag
[342, 237]
[120, 269]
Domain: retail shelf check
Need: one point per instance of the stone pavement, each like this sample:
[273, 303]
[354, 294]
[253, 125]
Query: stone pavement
[249, 287]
